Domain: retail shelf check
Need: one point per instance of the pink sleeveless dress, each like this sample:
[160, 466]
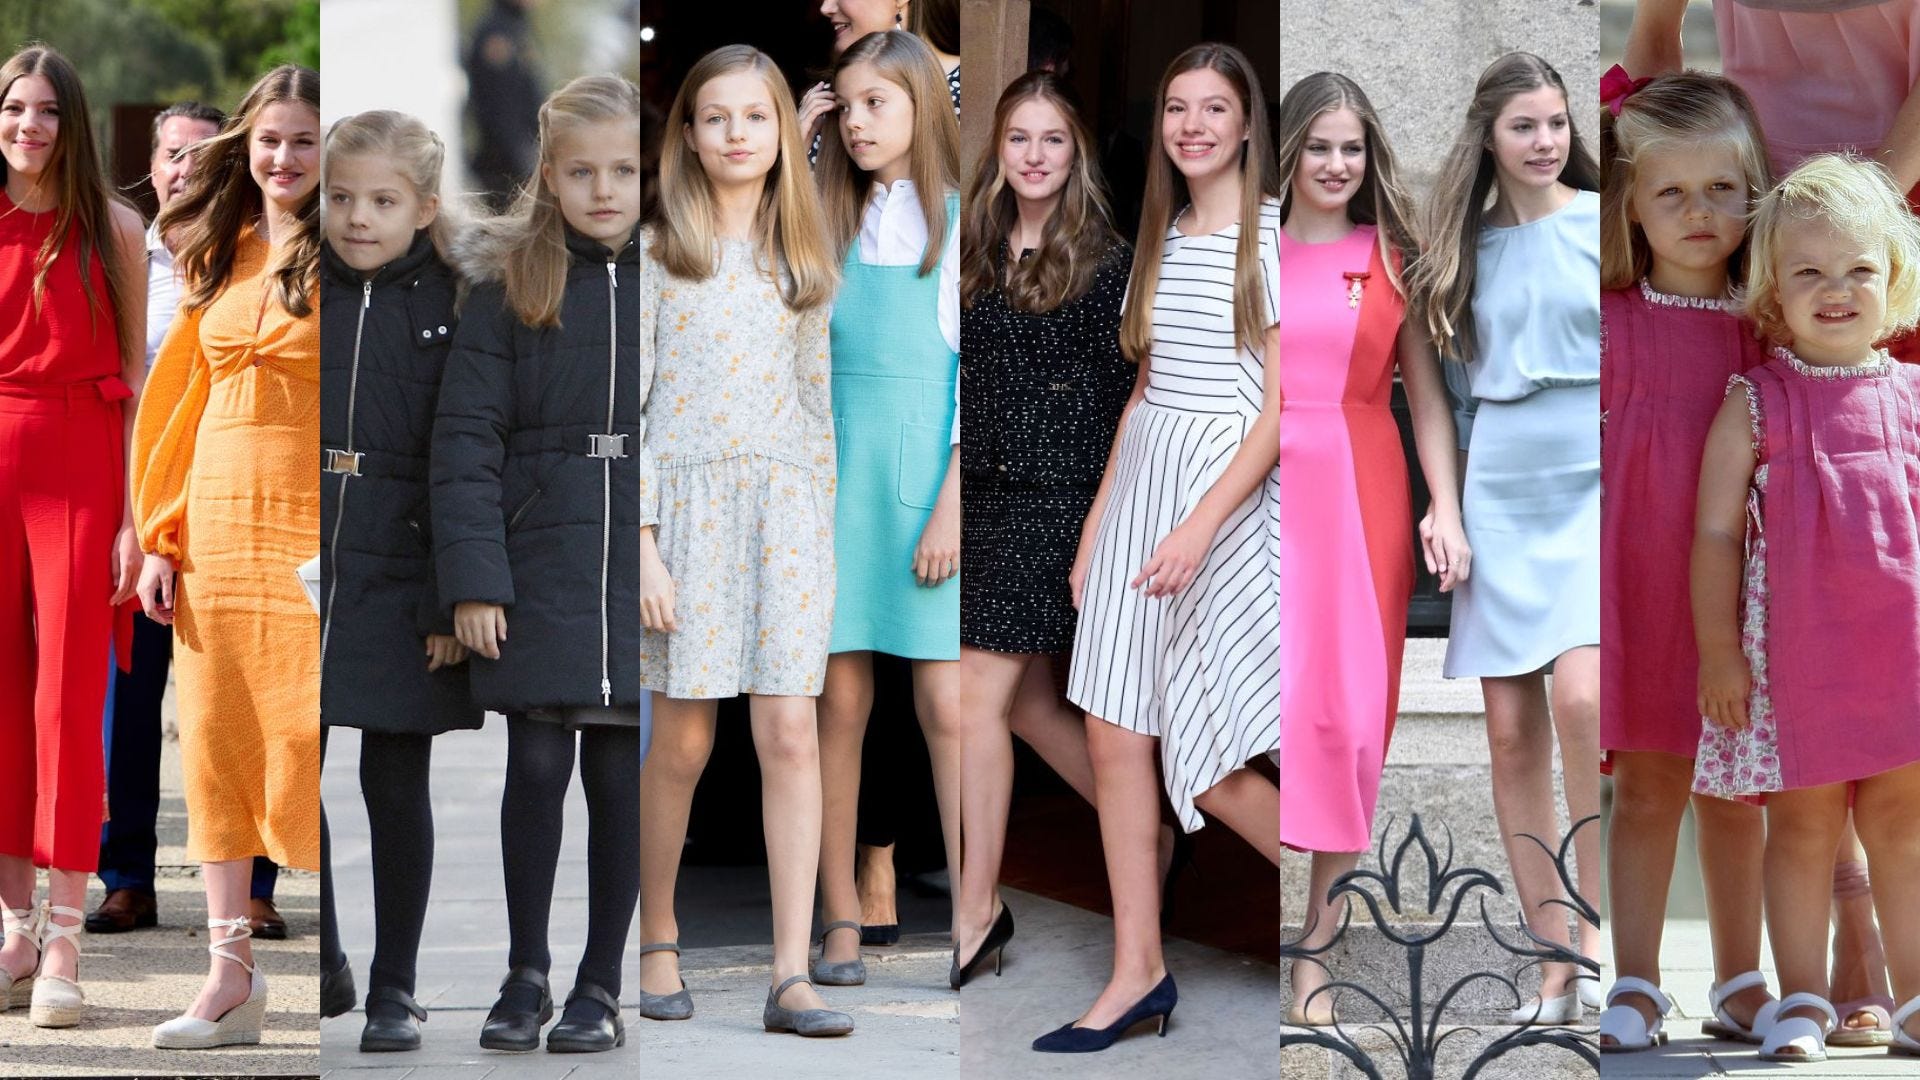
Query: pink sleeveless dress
[1664, 365]
[1830, 618]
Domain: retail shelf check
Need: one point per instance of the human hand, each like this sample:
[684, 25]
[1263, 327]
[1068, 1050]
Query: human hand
[444, 650]
[480, 626]
[155, 588]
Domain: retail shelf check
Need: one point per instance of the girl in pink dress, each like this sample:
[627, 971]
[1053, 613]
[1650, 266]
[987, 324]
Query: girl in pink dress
[1681, 160]
[1806, 579]
[1346, 568]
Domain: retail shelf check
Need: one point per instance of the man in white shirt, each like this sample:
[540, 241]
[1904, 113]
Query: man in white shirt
[132, 722]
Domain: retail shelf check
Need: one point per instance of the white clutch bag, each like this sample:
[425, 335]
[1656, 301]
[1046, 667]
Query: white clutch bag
[309, 573]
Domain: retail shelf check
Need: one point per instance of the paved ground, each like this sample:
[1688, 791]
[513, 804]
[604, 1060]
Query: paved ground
[463, 955]
[134, 981]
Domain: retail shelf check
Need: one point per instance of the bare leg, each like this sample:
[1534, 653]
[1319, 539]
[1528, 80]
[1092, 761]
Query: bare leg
[936, 698]
[989, 683]
[1803, 831]
[875, 881]
[787, 739]
[1859, 960]
[1248, 803]
[1053, 727]
[682, 741]
[1649, 798]
[228, 984]
[1322, 922]
[17, 882]
[1127, 795]
[1733, 845]
[1520, 737]
[1576, 719]
[844, 707]
[1884, 812]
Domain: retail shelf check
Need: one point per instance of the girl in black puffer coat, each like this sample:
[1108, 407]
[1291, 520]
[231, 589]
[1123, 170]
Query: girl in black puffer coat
[536, 512]
[388, 658]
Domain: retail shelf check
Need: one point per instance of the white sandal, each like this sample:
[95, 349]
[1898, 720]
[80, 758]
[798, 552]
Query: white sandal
[1723, 1025]
[58, 1002]
[1796, 1038]
[1625, 1025]
[1905, 1045]
[238, 1026]
[25, 923]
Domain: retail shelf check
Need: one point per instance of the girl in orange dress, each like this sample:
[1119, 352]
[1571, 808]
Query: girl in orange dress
[227, 497]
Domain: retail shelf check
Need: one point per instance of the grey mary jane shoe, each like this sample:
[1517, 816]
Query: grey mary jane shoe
[812, 1023]
[841, 973]
[675, 1006]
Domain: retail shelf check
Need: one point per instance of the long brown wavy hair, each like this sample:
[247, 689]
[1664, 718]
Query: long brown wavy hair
[1688, 109]
[1075, 234]
[1441, 282]
[1380, 200]
[83, 207]
[222, 201]
[907, 62]
[1167, 191]
[788, 233]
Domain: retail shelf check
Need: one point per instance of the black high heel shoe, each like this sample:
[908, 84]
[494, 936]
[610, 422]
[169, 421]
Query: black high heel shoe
[1158, 1004]
[524, 1007]
[994, 944]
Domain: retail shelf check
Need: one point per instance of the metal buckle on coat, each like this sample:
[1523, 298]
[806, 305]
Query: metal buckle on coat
[607, 446]
[340, 461]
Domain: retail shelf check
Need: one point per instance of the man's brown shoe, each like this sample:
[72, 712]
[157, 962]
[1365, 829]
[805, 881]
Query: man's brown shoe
[267, 923]
[123, 910]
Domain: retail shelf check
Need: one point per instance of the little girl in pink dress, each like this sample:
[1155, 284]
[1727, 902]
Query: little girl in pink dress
[1806, 579]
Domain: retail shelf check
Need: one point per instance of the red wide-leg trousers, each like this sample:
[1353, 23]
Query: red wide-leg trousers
[62, 482]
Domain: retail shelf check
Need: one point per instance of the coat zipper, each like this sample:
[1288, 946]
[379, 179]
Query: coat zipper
[340, 505]
[606, 476]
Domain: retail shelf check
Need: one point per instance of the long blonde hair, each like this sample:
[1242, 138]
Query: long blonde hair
[1075, 235]
[1685, 110]
[1380, 201]
[788, 232]
[222, 200]
[1167, 190]
[1859, 200]
[933, 160]
[526, 247]
[407, 144]
[83, 199]
[1441, 282]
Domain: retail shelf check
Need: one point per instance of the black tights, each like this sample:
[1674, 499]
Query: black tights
[393, 778]
[540, 757]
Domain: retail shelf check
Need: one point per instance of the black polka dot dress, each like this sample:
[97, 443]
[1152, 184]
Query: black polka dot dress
[1040, 398]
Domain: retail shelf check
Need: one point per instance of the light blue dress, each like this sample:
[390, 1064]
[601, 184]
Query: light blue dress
[894, 381]
[1531, 426]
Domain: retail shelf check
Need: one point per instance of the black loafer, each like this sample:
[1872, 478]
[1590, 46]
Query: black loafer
[524, 1008]
[393, 1021]
[336, 991]
[590, 1025]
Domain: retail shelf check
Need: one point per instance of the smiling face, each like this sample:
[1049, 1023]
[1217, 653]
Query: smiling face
[876, 121]
[171, 167]
[283, 153]
[1531, 138]
[1832, 288]
[854, 19]
[371, 212]
[733, 129]
[1333, 161]
[1691, 202]
[1202, 123]
[1036, 150]
[29, 125]
[595, 176]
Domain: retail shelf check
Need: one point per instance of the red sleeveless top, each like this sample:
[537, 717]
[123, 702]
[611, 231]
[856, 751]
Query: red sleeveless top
[63, 338]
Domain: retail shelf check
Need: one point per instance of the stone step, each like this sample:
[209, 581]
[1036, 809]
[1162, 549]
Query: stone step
[1459, 1047]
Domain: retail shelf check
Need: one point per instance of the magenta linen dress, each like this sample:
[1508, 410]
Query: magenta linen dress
[1831, 613]
[1664, 365]
[1346, 538]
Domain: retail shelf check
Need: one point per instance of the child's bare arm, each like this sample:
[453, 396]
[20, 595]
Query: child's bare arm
[1653, 40]
[1719, 537]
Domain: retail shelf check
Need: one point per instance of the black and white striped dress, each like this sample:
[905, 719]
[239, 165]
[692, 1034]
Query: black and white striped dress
[1199, 670]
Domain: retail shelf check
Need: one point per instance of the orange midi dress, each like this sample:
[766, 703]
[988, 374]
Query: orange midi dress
[225, 483]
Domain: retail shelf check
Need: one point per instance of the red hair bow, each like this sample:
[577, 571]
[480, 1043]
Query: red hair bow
[1616, 86]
